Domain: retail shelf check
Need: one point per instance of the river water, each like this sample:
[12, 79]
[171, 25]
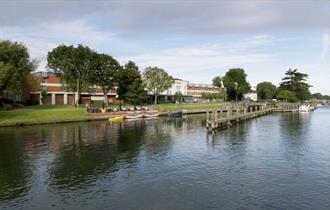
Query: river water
[279, 161]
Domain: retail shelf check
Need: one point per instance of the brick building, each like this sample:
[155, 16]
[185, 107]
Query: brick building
[50, 90]
[196, 90]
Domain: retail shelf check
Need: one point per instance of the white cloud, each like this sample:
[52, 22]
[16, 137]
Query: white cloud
[43, 37]
[325, 46]
[203, 62]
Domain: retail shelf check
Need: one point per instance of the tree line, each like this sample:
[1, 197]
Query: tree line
[83, 69]
[293, 87]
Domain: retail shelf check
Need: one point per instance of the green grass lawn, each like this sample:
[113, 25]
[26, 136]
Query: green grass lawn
[42, 113]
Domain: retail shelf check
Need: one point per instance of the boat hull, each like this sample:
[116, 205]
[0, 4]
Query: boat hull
[133, 116]
[116, 119]
[175, 114]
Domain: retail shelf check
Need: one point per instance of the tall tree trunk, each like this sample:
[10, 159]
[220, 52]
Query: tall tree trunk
[120, 104]
[106, 99]
[156, 98]
[78, 93]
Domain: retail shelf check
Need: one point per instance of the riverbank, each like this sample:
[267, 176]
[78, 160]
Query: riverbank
[42, 114]
[48, 114]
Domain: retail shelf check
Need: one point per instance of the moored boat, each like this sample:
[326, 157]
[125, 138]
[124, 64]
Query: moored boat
[135, 116]
[116, 119]
[304, 108]
[151, 114]
[175, 114]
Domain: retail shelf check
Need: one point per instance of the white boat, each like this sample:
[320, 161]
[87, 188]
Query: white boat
[304, 108]
[135, 116]
[151, 115]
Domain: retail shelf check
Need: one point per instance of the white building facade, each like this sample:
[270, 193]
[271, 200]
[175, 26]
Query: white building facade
[179, 85]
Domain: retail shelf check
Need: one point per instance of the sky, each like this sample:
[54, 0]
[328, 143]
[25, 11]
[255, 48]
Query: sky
[192, 40]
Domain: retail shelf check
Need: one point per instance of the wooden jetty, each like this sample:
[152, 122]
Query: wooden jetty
[218, 118]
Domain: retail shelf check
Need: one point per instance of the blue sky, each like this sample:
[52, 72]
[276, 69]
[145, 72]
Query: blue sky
[192, 40]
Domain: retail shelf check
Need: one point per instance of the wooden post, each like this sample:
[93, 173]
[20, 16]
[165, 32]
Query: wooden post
[207, 116]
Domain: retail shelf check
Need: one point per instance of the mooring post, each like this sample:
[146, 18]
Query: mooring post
[207, 116]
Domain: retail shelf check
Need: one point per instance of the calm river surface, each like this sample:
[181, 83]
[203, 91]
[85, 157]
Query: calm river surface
[280, 161]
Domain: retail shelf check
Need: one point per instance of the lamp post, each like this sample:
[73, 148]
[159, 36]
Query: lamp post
[225, 89]
[236, 95]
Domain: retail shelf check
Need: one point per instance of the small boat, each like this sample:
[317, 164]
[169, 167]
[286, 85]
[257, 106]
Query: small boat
[304, 108]
[151, 115]
[116, 119]
[135, 116]
[175, 114]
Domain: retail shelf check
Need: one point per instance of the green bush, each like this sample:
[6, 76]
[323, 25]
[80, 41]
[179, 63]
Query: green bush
[287, 96]
[6, 107]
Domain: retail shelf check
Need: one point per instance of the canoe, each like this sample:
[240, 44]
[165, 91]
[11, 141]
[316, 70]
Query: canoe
[151, 115]
[116, 119]
[175, 114]
[137, 116]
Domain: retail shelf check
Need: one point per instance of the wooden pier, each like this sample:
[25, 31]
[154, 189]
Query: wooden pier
[219, 118]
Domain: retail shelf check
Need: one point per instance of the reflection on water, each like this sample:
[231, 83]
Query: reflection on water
[280, 161]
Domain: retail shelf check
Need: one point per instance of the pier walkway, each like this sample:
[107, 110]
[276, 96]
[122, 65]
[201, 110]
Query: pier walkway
[224, 117]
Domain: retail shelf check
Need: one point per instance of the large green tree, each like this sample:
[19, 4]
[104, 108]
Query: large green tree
[104, 72]
[236, 83]
[266, 90]
[287, 96]
[129, 84]
[73, 65]
[15, 66]
[217, 81]
[157, 80]
[295, 82]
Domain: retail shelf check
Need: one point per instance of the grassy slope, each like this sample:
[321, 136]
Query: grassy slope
[42, 113]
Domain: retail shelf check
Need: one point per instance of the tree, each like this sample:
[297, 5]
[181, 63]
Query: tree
[217, 81]
[295, 82]
[236, 83]
[157, 80]
[4, 68]
[105, 70]
[211, 96]
[73, 65]
[266, 90]
[287, 95]
[319, 96]
[15, 66]
[129, 84]
[178, 96]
